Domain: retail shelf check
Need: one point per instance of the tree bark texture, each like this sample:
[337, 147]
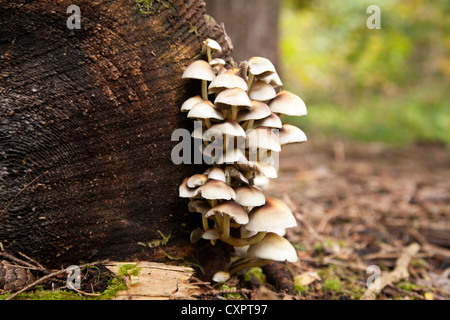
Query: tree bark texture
[252, 24]
[90, 113]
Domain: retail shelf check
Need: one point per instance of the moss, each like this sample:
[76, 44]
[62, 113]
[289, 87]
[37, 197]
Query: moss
[255, 273]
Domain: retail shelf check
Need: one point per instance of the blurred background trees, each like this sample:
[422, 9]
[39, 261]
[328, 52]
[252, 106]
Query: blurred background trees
[387, 85]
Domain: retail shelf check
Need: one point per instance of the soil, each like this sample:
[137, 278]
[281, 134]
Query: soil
[357, 205]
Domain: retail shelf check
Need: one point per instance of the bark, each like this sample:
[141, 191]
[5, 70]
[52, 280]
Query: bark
[252, 24]
[90, 113]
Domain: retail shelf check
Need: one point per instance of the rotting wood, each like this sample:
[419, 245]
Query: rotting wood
[157, 281]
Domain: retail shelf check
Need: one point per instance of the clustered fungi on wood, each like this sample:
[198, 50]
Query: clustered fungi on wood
[241, 104]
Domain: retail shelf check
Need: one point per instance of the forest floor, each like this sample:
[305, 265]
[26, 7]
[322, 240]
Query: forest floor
[357, 205]
[361, 205]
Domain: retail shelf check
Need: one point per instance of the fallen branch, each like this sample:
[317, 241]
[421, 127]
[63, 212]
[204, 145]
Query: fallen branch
[400, 272]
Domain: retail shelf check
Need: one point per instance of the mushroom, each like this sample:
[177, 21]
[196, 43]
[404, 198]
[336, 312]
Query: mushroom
[210, 45]
[273, 247]
[262, 138]
[226, 130]
[232, 172]
[260, 67]
[217, 174]
[228, 210]
[227, 80]
[262, 91]
[206, 111]
[258, 111]
[234, 98]
[200, 70]
[291, 134]
[271, 121]
[216, 190]
[274, 80]
[270, 217]
[249, 196]
[185, 192]
[189, 103]
[221, 276]
[197, 180]
[287, 103]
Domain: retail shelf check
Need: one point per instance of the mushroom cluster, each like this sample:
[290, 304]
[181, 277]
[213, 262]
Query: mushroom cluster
[241, 109]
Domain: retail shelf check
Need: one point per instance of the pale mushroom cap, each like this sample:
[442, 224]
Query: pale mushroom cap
[262, 138]
[235, 174]
[289, 104]
[189, 103]
[197, 180]
[204, 110]
[270, 217]
[249, 196]
[259, 110]
[273, 247]
[196, 235]
[228, 128]
[227, 80]
[262, 91]
[234, 156]
[217, 173]
[212, 44]
[221, 276]
[230, 208]
[211, 234]
[185, 192]
[274, 80]
[199, 205]
[218, 190]
[271, 121]
[217, 61]
[261, 67]
[233, 97]
[291, 134]
[266, 169]
[199, 69]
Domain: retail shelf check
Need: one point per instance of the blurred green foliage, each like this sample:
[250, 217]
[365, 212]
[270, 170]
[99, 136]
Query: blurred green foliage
[389, 84]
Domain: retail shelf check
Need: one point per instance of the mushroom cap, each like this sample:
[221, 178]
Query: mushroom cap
[274, 80]
[273, 247]
[259, 110]
[217, 61]
[236, 174]
[227, 80]
[218, 190]
[204, 110]
[249, 196]
[271, 121]
[232, 97]
[196, 235]
[212, 44]
[185, 192]
[233, 156]
[228, 128]
[262, 91]
[199, 205]
[262, 138]
[217, 173]
[291, 134]
[261, 67]
[211, 234]
[270, 217]
[289, 104]
[199, 69]
[189, 103]
[197, 180]
[230, 208]
[260, 167]
[220, 276]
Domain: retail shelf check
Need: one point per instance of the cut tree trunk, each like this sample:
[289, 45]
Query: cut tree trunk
[86, 121]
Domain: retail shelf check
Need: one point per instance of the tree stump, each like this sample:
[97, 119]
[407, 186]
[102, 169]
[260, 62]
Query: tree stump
[86, 121]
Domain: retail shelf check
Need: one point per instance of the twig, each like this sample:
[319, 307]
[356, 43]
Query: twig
[20, 192]
[400, 272]
[42, 279]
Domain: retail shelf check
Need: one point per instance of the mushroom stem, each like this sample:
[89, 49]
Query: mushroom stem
[249, 81]
[248, 263]
[226, 227]
[249, 124]
[233, 112]
[235, 242]
[205, 90]
[208, 54]
[205, 223]
[208, 123]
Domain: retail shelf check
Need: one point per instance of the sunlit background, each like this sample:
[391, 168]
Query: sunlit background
[389, 85]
